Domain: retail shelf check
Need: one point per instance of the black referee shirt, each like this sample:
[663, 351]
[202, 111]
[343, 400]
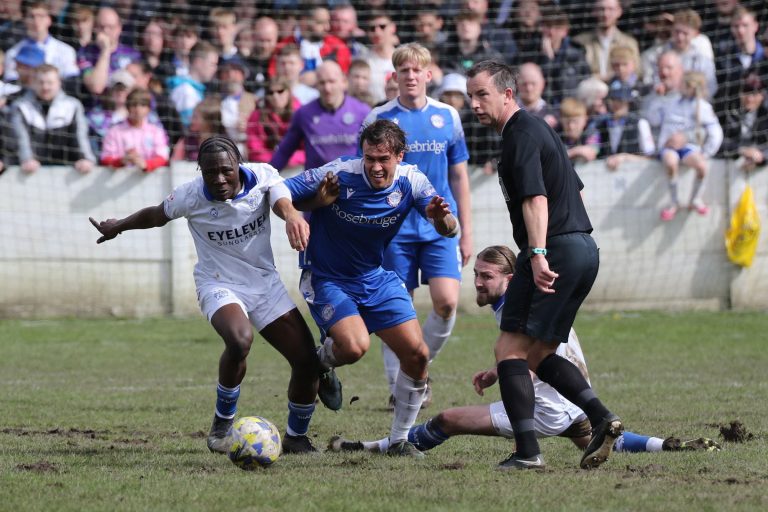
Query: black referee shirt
[534, 162]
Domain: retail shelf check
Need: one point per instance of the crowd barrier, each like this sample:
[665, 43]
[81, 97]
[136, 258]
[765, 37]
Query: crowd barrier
[50, 264]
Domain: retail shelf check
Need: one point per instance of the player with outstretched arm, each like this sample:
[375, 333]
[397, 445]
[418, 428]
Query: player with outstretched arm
[348, 292]
[553, 414]
[227, 210]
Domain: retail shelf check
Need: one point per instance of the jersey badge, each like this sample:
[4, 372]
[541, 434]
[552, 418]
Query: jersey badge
[348, 118]
[214, 212]
[253, 203]
[394, 198]
[327, 312]
[437, 121]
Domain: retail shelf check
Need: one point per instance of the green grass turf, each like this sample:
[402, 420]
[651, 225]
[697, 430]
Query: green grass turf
[111, 414]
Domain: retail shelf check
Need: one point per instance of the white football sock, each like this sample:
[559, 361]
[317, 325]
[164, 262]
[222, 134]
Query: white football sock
[409, 394]
[437, 330]
[391, 366]
[382, 445]
[654, 444]
[698, 188]
[325, 354]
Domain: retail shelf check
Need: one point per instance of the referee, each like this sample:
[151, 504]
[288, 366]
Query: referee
[556, 269]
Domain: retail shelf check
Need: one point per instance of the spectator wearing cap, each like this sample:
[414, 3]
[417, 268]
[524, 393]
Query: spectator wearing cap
[316, 44]
[746, 129]
[562, 60]
[468, 45]
[136, 142]
[189, 90]
[28, 58]
[99, 60]
[327, 127]
[50, 126]
[624, 136]
[37, 22]
[237, 104]
[530, 88]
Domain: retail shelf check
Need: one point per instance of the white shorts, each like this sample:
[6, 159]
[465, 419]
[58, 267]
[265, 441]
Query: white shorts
[262, 306]
[547, 422]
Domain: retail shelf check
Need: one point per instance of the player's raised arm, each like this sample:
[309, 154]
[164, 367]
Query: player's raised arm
[149, 217]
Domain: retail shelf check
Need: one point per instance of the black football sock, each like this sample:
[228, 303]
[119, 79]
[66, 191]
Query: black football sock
[566, 378]
[517, 393]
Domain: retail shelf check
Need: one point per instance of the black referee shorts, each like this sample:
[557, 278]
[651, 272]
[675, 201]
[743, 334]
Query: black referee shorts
[549, 317]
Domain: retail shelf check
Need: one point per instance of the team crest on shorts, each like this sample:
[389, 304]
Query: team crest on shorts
[214, 212]
[348, 118]
[327, 312]
[437, 121]
[394, 198]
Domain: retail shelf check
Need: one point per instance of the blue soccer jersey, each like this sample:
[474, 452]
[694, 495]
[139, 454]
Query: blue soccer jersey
[348, 238]
[435, 141]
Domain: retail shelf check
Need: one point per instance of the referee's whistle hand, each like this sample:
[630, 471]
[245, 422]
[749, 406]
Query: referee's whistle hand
[543, 277]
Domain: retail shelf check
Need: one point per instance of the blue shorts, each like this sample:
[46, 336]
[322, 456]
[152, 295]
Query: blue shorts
[380, 299]
[437, 258]
[681, 153]
[544, 316]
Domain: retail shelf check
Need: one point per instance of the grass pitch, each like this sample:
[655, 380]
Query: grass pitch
[112, 414]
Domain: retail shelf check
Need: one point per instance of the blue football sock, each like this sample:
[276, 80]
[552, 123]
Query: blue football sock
[226, 401]
[299, 416]
[631, 442]
[427, 435]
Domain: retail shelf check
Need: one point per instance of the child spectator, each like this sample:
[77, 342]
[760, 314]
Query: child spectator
[111, 108]
[187, 91]
[237, 104]
[50, 126]
[360, 81]
[690, 134]
[136, 141]
[184, 39]
[623, 66]
[83, 25]
[224, 29]
[624, 136]
[289, 67]
[746, 130]
[205, 123]
[37, 22]
[468, 46]
[269, 123]
[582, 141]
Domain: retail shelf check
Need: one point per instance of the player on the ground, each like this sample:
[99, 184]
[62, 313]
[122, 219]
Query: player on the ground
[558, 267]
[349, 294]
[435, 143]
[553, 415]
[227, 209]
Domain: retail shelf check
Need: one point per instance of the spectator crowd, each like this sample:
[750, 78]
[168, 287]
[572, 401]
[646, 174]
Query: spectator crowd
[137, 83]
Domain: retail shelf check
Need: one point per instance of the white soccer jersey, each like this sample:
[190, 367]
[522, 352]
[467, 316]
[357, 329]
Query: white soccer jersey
[553, 413]
[231, 237]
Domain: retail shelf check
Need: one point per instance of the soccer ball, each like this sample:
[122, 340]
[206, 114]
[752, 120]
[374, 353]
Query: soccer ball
[255, 443]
